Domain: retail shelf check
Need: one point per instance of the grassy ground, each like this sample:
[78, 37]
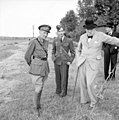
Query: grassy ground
[17, 103]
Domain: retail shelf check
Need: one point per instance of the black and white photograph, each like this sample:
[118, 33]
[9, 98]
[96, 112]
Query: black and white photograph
[59, 59]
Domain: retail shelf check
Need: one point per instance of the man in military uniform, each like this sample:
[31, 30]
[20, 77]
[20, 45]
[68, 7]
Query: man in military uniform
[110, 52]
[61, 46]
[36, 57]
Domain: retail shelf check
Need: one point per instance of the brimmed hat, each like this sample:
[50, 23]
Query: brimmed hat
[109, 24]
[89, 24]
[46, 28]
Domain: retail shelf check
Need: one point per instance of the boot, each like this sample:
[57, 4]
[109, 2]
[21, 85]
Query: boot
[38, 105]
[38, 100]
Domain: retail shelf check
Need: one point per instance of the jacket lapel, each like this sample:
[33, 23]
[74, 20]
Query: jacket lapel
[64, 40]
[86, 40]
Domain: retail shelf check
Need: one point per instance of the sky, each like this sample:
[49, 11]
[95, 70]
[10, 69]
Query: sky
[17, 17]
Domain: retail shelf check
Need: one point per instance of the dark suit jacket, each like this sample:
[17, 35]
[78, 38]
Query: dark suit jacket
[113, 48]
[60, 50]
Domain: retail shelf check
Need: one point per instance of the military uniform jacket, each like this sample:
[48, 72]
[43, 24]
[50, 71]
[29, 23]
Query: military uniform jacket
[34, 54]
[91, 52]
[112, 48]
[61, 49]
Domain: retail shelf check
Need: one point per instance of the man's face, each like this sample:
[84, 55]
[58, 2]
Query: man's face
[90, 32]
[60, 34]
[43, 34]
[108, 29]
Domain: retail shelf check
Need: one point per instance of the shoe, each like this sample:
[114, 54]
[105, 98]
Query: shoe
[85, 103]
[38, 109]
[100, 96]
[38, 112]
[91, 106]
[38, 106]
[113, 79]
[57, 93]
[62, 94]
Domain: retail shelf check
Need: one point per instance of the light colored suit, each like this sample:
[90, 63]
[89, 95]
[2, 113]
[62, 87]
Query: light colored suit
[88, 57]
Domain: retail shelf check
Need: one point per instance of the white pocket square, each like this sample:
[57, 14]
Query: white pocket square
[96, 41]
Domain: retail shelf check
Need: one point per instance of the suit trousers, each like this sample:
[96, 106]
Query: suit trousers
[61, 77]
[109, 59]
[87, 78]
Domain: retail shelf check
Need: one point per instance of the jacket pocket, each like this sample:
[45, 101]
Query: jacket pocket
[65, 44]
[36, 67]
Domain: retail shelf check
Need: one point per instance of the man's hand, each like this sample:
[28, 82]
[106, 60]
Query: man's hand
[68, 63]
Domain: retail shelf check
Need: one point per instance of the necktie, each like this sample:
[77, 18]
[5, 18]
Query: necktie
[61, 39]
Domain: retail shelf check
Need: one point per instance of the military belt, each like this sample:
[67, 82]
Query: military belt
[44, 59]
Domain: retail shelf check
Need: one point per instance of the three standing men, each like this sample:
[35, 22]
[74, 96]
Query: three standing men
[36, 57]
[61, 46]
[110, 52]
[89, 58]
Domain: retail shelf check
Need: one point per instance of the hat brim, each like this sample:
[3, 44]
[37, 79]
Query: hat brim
[45, 31]
[90, 27]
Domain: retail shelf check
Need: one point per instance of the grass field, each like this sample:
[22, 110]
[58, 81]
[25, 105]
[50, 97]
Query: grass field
[16, 91]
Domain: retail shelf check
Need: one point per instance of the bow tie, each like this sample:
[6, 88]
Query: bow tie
[90, 37]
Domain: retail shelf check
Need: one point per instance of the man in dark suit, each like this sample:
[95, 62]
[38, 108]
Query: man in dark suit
[110, 52]
[61, 46]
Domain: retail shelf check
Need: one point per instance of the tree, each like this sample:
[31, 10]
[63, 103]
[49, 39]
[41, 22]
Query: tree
[86, 9]
[69, 22]
[108, 10]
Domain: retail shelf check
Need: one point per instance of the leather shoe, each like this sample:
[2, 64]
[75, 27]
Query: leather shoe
[100, 96]
[91, 106]
[58, 93]
[62, 94]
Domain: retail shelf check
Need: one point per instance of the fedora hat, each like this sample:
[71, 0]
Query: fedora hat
[89, 24]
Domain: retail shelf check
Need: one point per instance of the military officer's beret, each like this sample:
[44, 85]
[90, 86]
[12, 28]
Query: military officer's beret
[46, 28]
[59, 28]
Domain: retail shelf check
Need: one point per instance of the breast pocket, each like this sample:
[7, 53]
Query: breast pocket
[96, 44]
[36, 67]
[65, 44]
[57, 43]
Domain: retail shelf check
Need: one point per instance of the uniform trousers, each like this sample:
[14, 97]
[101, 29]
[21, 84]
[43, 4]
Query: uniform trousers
[61, 74]
[87, 78]
[38, 82]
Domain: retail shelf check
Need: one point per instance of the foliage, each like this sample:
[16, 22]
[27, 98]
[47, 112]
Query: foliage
[108, 10]
[86, 9]
[69, 22]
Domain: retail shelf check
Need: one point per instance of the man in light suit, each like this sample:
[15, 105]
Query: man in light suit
[89, 58]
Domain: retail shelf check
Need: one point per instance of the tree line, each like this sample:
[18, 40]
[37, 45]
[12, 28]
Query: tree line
[101, 11]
